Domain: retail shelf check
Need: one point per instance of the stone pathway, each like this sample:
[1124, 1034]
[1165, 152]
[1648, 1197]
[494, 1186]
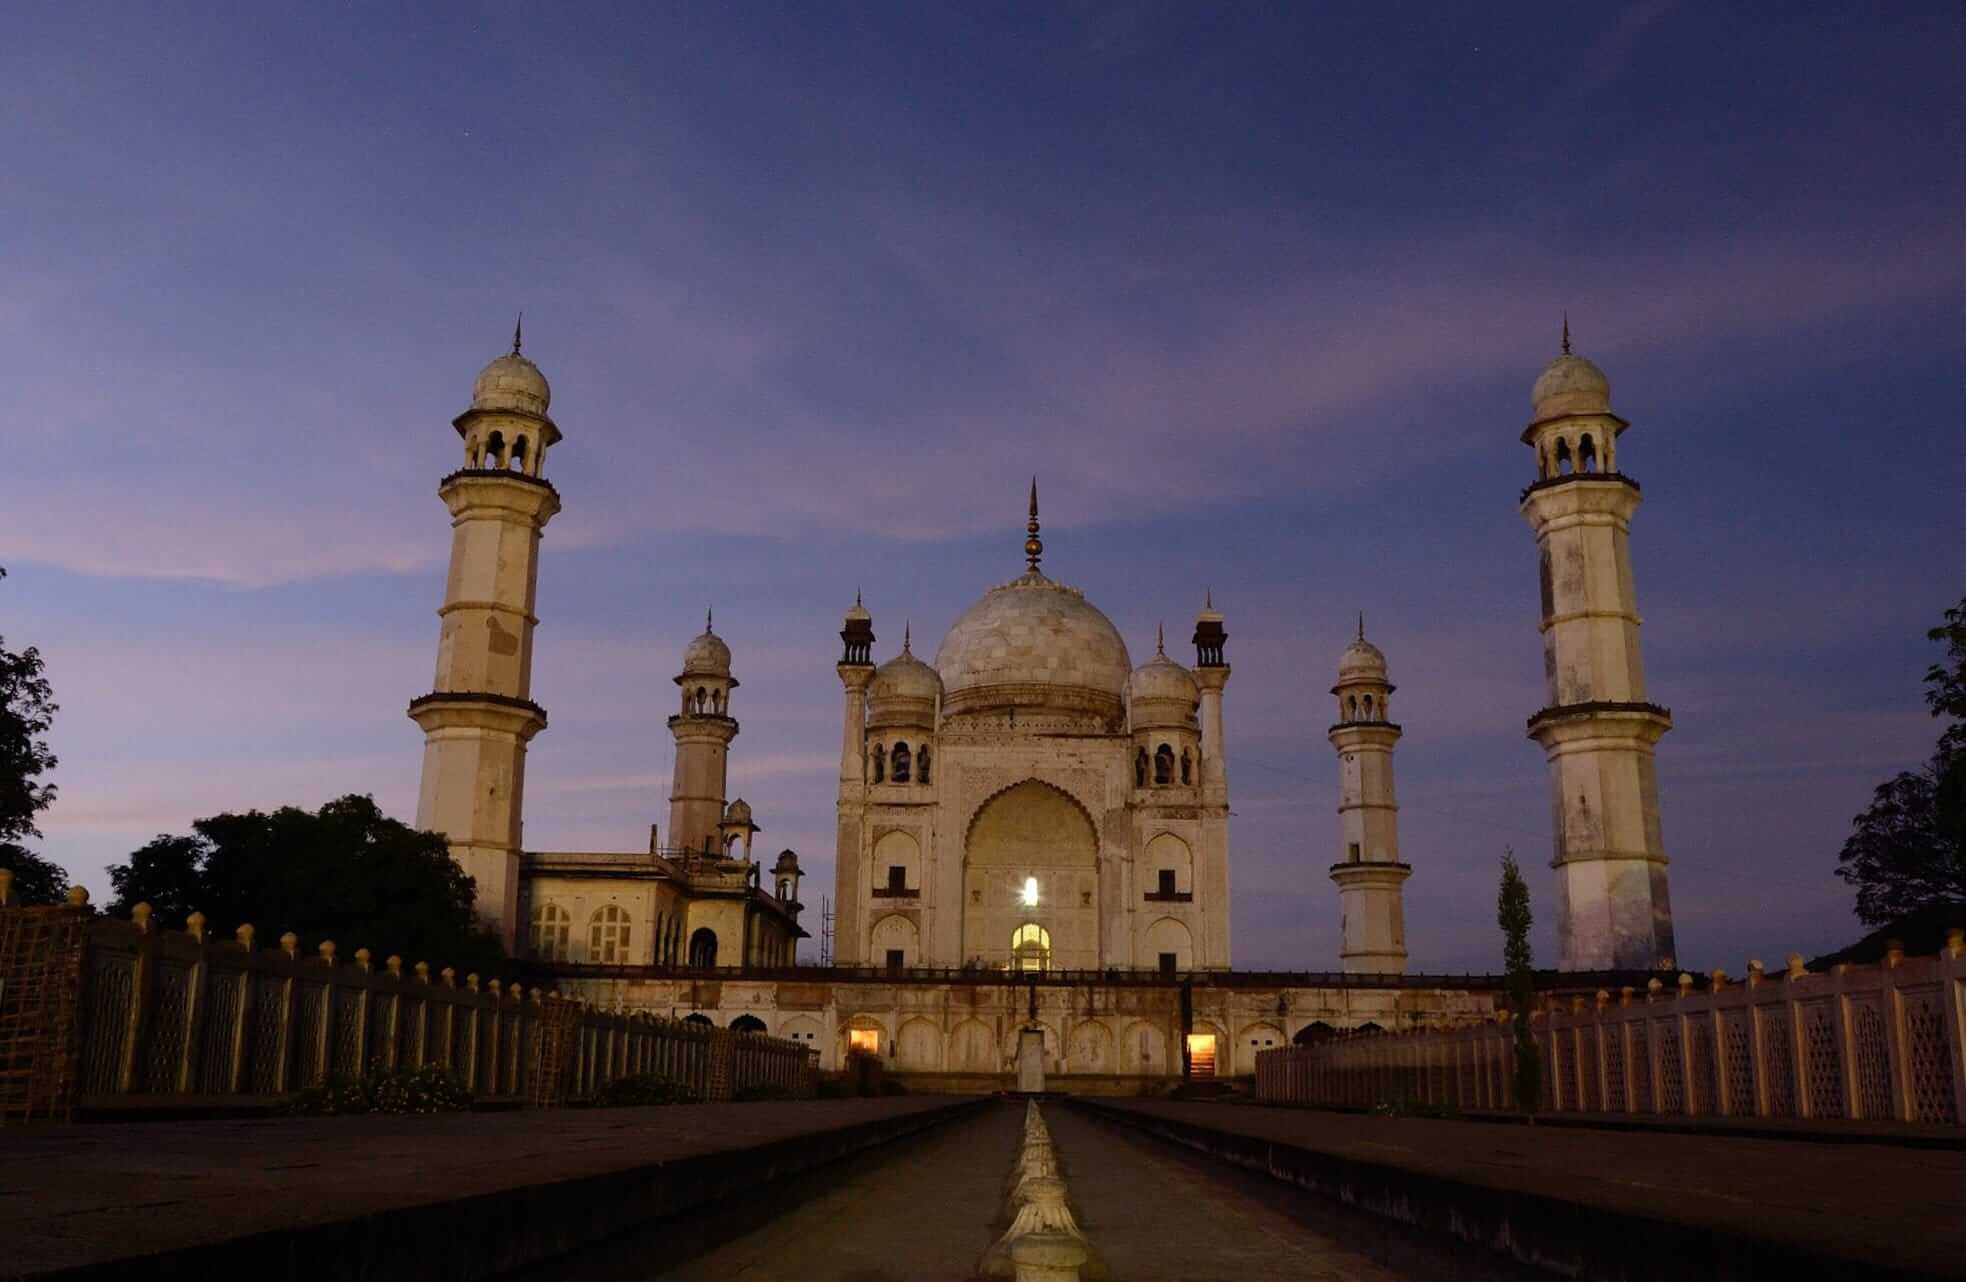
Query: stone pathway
[927, 1212]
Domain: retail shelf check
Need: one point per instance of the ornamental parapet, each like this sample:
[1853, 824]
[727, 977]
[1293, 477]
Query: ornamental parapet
[523, 712]
[498, 474]
[1651, 712]
[1556, 482]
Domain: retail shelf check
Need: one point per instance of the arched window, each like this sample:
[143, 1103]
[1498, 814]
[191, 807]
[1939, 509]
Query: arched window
[921, 765]
[1187, 767]
[1030, 947]
[1140, 769]
[703, 947]
[1563, 458]
[1368, 707]
[551, 925]
[903, 763]
[879, 755]
[1314, 1032]
[1586, 454]
[607, 934]
[1163, 765]
[1351, 707]
[519, 455]
[700, 1018]
[747, 1024]
[702, 699]
[495, 450]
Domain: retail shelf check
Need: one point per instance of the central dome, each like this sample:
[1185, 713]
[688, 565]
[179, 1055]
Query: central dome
[1033, 643]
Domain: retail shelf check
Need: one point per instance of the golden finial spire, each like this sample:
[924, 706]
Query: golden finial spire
[1160, 638]
[1033, 545]
[907, 631]
[1566, 332]
[518, 333]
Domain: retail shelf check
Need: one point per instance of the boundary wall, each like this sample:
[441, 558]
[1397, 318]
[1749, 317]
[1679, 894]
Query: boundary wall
[1880, 1042]
[103, 1015]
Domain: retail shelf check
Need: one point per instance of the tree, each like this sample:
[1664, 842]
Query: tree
[1907, 851]
[347, 873]
[27, 710]
[1518, 965]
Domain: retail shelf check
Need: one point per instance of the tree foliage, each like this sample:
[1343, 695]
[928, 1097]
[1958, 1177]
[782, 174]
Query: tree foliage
[1513, 915]
[27, 711]
[1907, 851]
[346, 872]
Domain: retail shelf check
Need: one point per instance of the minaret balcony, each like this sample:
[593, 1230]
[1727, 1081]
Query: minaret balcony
[1644, 720]
[1573, 478]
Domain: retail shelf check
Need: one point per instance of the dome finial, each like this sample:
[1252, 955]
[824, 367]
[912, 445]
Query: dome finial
[856, 596]
[1566, 331]
[709, 616]
[1361, 625]
[1160, 639]
[1208, 598]
[518, 333]
[907, 637]
[1033, 545]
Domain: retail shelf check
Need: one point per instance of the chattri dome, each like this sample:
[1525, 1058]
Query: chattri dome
[1362, 661]
[1570, 385]
[1033, 643]
[706, 656]
[512, 383]
[904, 677]
[1161, 678]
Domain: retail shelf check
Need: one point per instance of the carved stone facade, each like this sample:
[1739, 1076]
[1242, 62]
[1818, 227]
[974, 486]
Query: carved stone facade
[1031, 801]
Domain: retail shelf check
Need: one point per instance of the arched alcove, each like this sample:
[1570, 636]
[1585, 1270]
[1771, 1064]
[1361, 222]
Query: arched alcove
[1032, 837]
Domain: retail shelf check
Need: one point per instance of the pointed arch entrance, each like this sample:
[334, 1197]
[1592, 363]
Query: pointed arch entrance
[1031, 860]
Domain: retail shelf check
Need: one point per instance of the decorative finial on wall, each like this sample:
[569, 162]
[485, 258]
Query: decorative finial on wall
[1033, 545]
[1566, 332]
[518, 333]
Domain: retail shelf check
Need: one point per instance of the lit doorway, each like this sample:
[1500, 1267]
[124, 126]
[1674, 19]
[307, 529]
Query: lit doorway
[1201, 1054]
[865, 1041]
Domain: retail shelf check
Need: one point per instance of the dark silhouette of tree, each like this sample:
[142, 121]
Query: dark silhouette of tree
[347, 872]
[1907, 852]
[27, 710]
[1518, 965]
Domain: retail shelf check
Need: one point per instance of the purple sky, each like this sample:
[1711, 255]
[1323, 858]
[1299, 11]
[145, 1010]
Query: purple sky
[1257, 292]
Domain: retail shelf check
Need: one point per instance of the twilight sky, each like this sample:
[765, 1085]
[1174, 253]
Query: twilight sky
[1257, 291]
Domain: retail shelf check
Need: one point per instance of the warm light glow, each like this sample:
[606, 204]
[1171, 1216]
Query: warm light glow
[1201, 1054]
[1030, 947]
[1030, 892]
[865, 1040]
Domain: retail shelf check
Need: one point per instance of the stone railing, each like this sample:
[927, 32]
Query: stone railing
[155, 1018]
[1878, 1042]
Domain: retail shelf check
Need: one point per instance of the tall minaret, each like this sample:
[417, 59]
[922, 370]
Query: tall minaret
[1368, 872]
[1597, 729]
[1211, 674]
[479, 717]
[856, 669]
[703, 731]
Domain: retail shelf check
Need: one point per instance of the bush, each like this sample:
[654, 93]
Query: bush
[644, 1089]
[396, 1092]
[762, 1091]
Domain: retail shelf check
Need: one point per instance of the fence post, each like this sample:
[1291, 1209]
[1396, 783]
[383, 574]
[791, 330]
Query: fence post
[196, 984]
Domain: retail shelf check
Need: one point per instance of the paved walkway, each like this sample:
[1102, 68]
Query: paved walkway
[927, 1212]
[1876, 1206]
[74, 1196]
